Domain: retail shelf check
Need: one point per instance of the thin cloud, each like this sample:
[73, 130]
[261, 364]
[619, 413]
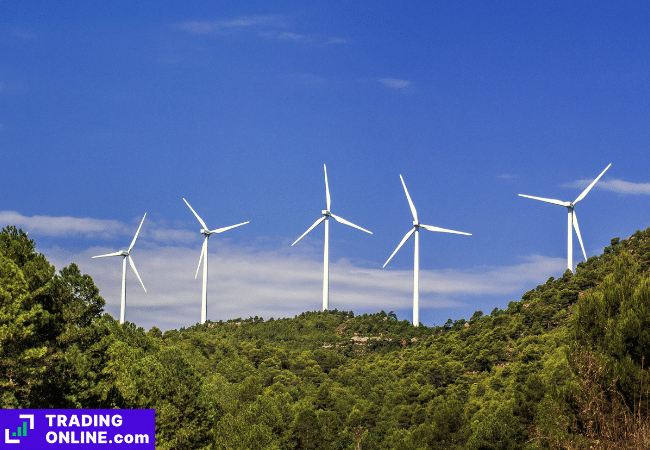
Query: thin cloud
[246, 282]
[63, 226]
[268, 27]
[265, 278]
[290, 36]
[283, 36]
[395, 83]
[618, 186]
[22, 34]
[212, 27]
[507, 176]
[19, 33]
[89, 228]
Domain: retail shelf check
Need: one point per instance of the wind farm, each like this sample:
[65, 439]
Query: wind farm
[431, 284]
[372, 284]
[301, 337]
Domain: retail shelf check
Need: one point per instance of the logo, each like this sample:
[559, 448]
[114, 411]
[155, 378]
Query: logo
[21, 431]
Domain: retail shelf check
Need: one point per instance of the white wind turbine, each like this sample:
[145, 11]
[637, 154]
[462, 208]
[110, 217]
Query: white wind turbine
[326, 215]
[204, 257]
[126, 254]
[416, 257]
[572, 219]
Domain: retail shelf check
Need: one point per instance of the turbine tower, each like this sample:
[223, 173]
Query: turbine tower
[572, 219]
[326, 215]
[416, 256]
[204, 257]
[126, 254]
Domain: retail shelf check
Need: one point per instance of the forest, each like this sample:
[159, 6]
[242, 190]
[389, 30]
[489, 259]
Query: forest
[563, 368]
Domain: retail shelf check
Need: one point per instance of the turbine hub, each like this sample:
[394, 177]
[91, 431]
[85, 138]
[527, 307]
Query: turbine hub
[416, 224]
[125, 253]
[206, 232]
[326, 212]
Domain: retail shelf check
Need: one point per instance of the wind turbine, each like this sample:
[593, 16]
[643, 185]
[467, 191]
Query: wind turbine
[126, 254]
[416, 256]
[204, 257]
[326, 215]
[572, 219]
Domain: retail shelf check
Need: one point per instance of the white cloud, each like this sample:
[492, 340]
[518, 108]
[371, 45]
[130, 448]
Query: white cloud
[395, 83]
[63, 226]
[266, 278]
[619, 186]
[91, 228]
[290, 36]
[268, 26]
[283, 36]
[245, 282]
[211, 27]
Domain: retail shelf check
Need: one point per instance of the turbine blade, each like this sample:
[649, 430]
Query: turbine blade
[197, 216]
[581, 196]
[406, 238]
[221, 230]
[575, 225]
[345, 222]
[136, 273]
[108, 254]
[413, 211]
[444, 230]
[136, 234]
[310, 228]
[547, 200]
[327, 189]
[204, 248]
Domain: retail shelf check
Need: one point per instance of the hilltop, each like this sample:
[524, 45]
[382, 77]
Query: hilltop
[564, 367]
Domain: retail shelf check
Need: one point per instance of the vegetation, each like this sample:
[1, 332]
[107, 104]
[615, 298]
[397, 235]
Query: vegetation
[565, 367]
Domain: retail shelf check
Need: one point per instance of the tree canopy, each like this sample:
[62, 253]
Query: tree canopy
[564, 367]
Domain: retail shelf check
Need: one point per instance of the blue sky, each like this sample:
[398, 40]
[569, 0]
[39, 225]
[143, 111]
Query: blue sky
[109, 110]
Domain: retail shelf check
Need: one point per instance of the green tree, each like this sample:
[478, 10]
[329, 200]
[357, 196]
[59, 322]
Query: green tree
[22, 356]
[613, 324]
[500, 430]
[72, 334]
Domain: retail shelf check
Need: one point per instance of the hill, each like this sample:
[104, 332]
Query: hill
[562, 368]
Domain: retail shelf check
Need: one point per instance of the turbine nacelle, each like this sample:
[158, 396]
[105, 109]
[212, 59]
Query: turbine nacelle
[326, 215]
[416, 258]
[572, 219]
[203, 258]
[126, 254]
